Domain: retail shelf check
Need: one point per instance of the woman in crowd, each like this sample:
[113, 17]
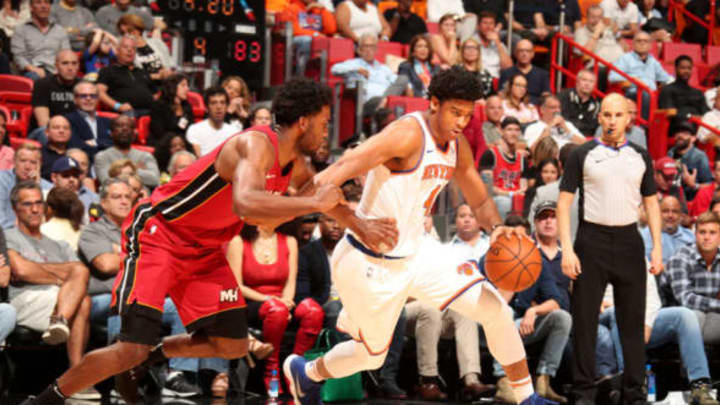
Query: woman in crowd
[516, 101]
[152, 54]
[469, 58]
[445, 43]
[7, 154]
[172, 112]
[239, 106]
[545, 149]
[356, 18]
[547, 171]
[260, 115]
[167, 147]
[268, 259]
[122, 167]
[64, 213]
[99, 52]
[419, 67]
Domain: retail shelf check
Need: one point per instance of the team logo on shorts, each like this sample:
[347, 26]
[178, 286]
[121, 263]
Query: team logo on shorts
[229, 295]
[468, 268]
[369, 272]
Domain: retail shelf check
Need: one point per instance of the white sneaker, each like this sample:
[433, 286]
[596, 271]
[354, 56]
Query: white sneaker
[58, 331]
[87, 394]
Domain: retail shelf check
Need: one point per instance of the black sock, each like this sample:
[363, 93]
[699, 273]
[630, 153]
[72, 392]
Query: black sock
[155, 356]
[695, 383]
[50, 396]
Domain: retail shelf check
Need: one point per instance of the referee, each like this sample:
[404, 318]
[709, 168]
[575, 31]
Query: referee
[613, 177]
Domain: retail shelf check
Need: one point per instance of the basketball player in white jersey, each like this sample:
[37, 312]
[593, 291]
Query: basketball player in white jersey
[408, 164]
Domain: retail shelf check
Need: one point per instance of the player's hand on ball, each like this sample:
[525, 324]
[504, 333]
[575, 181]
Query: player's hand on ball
[507, 232]
[571, 265]
[328, 196]
[379, 235]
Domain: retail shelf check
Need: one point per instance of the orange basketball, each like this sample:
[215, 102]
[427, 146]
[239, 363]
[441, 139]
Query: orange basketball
[513, 264]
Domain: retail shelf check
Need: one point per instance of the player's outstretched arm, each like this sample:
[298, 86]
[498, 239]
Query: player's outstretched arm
[255, 157]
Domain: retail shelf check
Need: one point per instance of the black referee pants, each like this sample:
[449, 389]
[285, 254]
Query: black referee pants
[613, 255]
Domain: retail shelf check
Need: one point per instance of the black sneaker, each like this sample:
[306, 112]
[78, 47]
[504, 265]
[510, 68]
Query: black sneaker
[127, 384]
[177, 386]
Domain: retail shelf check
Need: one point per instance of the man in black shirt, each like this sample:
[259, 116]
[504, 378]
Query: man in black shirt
[53, 95]
[579, 105]
[123, 87]
[613, 177]
[58, 133]
[688, 101]
[538, 79]
[498, 7]
[404, 24]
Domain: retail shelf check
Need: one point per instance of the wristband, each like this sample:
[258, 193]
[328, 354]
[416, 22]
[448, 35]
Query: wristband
[117, 106]
[494, 227]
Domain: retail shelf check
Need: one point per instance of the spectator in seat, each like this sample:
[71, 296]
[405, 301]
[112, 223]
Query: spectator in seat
[493, 53]
[515, 101]
[552, 124]
[445, 42]
[524, 23]
[179, 161]
[53, 95]
[49, 292]
[469, 58]
[549, 15]
[306, 228]
[356, 18]
[674, 235]
[27, 162]
[624, 14]
[378, 80]
[77, 20]
[666, 171]
[640, 65]
[540, 315]
[67, 172]
[687, 101]
[90, 132]
[35, 43]
[99, 52]
[13, 14]
[547, 171]
[598, 36]
[7, 153]
[58, 133]
[695, 277]
[260, 115]
[171, 112]
[63, 216]
[494, 114]
[310, 20]
[419, 68]
[550, 191]
[122, 86]
[505, 166]
[209, 133]
[704, 196]
[711, 118]
[239, 105]
[152, 55]
[268, 260]
[579, 105]
[122, 132]
[404, 24]
[649, 16]
[87, 184]
[538, 79]
[168, 146]
[8, 314]
[694, 32]
[693, 163]
[108, 15]
[467, 22]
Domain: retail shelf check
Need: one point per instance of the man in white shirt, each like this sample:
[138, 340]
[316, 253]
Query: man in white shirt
[552, 124]
[493, 53]
[207, 134]
[711, 118]
[624, 13]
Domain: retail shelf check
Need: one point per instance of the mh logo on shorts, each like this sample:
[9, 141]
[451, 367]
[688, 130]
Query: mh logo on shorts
[229, 295]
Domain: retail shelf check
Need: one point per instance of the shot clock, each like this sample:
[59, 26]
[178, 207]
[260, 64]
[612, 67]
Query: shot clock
[231, 31]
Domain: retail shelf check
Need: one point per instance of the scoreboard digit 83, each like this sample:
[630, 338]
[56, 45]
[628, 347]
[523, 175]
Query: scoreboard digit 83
[231, 31]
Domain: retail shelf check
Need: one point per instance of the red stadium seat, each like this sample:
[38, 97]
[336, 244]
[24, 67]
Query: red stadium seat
[15, 142]
[671, 50]
[713, 55]
[16, 83]
[406, 105]
[107, 114]
[197, 103]
[335, 50]
[389, 48]
[143, 129]
[15, 100]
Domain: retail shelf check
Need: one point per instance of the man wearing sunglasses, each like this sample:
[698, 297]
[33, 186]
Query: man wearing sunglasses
[90, 132]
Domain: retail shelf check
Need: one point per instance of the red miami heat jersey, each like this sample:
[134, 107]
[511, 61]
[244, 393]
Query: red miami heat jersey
[506, 175]
[198, 204]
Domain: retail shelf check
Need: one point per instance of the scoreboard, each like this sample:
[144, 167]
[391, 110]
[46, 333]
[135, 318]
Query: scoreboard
[231, 31]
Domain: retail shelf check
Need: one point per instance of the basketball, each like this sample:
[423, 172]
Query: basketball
[513, 264]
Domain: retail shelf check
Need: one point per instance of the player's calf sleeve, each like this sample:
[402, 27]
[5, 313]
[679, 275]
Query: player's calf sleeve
[349, 357]
[155, 356]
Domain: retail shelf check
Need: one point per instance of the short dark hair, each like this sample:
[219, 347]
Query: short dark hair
[455, 83]
[565, 152]
[518, 220]
[215, 91]
[682, 58]
[23, 185]
[299, 97]
[715, 201]
[66, 204]
[548, 96]
[509, 121]
[487, 14]
[707, 217]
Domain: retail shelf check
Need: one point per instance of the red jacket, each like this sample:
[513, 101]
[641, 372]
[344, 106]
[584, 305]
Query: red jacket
[701, 202]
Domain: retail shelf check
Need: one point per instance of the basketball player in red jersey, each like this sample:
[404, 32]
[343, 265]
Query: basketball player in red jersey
[173, 242]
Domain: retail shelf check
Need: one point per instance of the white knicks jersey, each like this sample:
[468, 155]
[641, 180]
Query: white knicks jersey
[409, 195]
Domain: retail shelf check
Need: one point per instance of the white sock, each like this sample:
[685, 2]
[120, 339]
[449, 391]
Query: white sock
[312, 372]
[522, 389]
